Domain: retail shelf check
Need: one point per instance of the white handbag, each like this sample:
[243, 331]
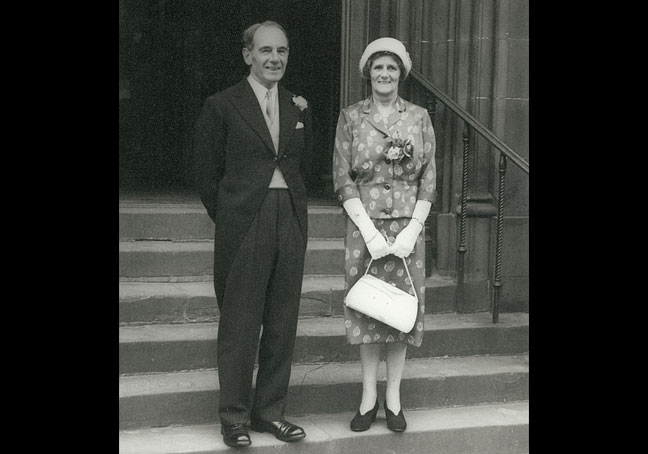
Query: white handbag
[384, 302]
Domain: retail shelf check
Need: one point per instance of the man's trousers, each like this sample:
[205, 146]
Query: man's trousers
[263, 288]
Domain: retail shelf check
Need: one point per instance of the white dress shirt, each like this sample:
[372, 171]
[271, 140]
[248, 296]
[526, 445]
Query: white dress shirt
[260, 91]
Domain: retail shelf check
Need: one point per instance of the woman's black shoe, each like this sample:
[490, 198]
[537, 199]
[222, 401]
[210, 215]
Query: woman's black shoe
[397, 422]
[360, 423]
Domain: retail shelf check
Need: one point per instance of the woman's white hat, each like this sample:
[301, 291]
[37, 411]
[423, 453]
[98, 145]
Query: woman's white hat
[390, 45]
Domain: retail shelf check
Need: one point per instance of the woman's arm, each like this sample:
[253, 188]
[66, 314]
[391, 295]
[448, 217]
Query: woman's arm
[347, 191]
[406, 239]
[376, 243]
[427, 181]
[343, 183]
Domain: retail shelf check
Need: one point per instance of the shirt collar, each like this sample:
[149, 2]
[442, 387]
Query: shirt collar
[368, 104]
[259, 90]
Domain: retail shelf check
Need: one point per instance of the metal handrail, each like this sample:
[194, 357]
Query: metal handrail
[470, 123]
[473, 122]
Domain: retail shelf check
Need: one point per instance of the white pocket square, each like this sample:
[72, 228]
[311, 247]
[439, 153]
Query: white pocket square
[299, 125]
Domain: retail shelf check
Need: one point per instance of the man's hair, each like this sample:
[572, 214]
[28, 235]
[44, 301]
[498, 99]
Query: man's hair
[382, 53]
[248, 34]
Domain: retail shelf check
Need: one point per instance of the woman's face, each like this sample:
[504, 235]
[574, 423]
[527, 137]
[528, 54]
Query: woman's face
[385, 74]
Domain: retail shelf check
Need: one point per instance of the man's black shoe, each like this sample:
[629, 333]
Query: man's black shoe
[235, 435]
[283, 430]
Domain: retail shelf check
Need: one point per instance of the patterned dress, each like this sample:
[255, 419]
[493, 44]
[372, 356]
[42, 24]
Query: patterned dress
[388, 190]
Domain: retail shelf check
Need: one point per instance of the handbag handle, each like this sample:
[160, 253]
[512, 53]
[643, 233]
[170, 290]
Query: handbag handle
[406, 269]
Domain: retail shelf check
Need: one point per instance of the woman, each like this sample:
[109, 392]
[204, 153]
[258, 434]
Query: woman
[384, 174]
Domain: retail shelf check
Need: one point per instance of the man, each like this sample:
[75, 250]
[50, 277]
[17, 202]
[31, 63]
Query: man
[251, 141]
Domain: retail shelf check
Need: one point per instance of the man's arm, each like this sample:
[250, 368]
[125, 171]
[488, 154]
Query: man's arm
[307, 156]
[209, 154]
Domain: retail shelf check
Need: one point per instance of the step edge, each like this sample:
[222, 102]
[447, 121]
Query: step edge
[178, 382]
[329, 428]
[201, 331]
[200, 244]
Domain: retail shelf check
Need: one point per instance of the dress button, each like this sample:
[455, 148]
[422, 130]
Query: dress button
[275, 159]
[387, 210]
[387, 186]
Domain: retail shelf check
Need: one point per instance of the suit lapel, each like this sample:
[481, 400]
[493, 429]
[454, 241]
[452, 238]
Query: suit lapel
[245, 101]
[397, 113]
[379, 125]
[370, 110]
[288, 116]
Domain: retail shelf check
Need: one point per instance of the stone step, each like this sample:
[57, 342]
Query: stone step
[184, 398]
[170, 221]
[501, 428]
[175, 301]
[196, 258]
[167, 348]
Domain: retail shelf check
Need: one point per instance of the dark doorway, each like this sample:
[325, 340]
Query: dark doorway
[173, 54]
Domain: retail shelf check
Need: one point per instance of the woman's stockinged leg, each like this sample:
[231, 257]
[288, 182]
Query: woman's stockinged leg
[370, 358]
[395, 353]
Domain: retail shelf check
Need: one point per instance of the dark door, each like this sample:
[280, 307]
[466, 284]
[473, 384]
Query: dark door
[173, 54]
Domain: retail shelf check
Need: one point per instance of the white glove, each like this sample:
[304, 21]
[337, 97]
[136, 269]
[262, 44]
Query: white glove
[376, 243]
[378, 246]
[406, 239]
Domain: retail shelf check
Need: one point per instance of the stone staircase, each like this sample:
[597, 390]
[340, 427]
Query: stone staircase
[465, 390]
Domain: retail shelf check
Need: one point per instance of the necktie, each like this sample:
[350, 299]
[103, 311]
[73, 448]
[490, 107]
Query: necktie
[270, 107]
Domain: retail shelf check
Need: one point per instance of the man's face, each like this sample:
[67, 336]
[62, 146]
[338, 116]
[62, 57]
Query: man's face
[269, 56]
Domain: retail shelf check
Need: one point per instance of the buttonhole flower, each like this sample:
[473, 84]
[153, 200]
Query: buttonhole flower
[300, 102]
[398, 148]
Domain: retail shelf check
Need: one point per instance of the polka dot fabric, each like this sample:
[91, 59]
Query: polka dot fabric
[361, 329]
[387, 188]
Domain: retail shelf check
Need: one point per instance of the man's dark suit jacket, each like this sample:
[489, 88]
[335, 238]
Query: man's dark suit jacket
[235, 160]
